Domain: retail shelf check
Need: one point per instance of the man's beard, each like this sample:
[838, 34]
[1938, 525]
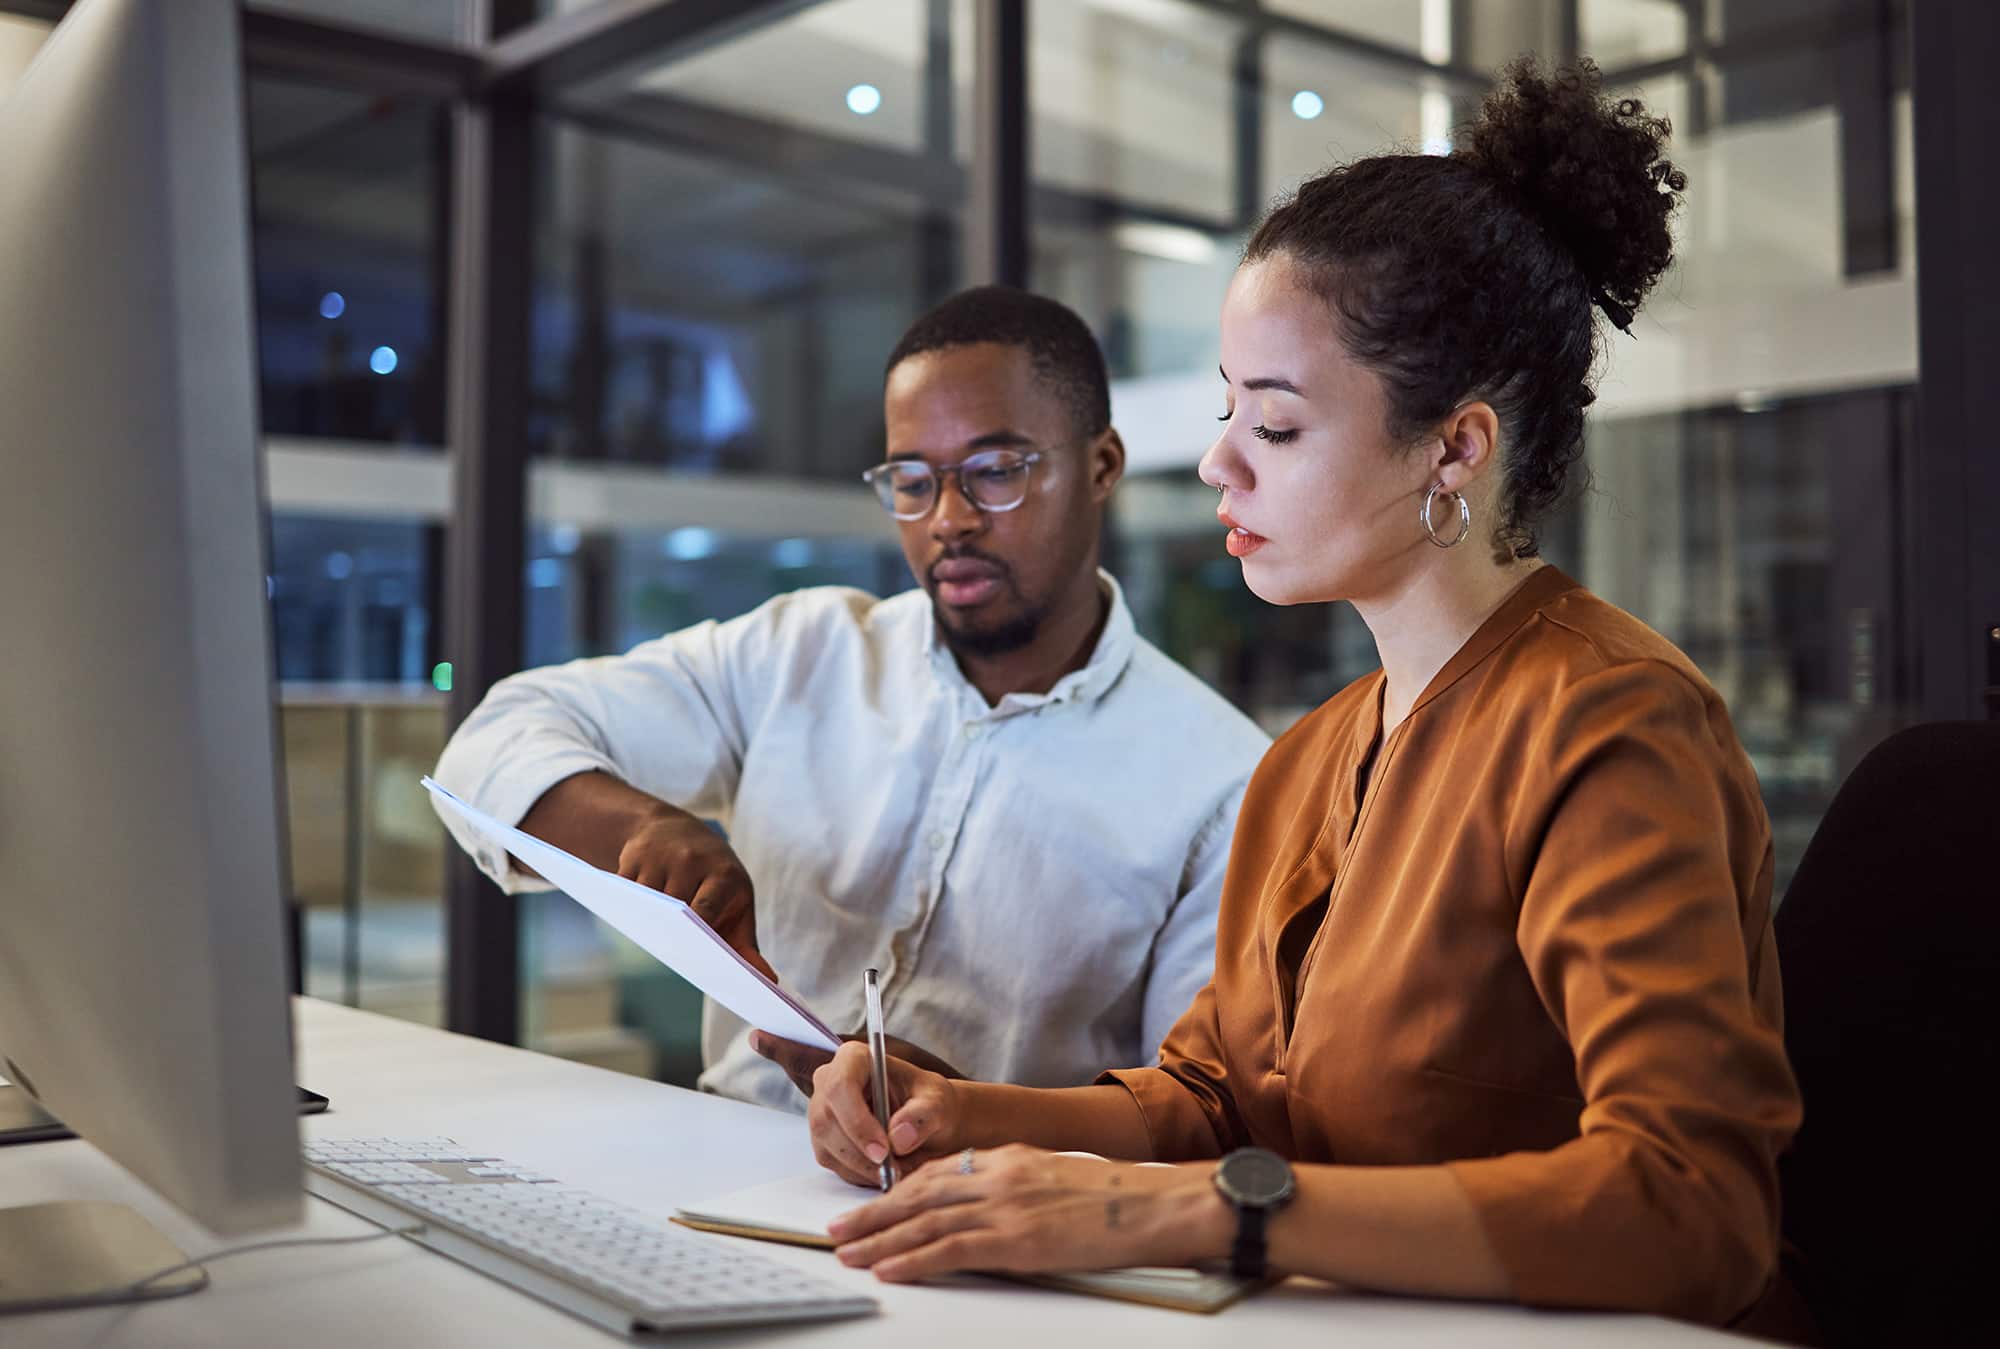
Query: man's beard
[986, 643]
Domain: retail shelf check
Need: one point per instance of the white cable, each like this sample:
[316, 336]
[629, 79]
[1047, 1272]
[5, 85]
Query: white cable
[156, 1276]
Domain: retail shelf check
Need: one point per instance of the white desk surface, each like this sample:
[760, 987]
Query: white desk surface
[653, 1147]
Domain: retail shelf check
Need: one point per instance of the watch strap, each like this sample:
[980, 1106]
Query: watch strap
[1249, 1260]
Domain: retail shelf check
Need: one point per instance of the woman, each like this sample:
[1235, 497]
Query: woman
[1494, 972]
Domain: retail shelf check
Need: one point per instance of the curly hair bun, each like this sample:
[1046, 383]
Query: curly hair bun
[1590, 170]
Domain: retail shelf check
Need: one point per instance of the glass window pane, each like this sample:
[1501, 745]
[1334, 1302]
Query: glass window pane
[1626, 32]
[719, 315]
[1131, 101]
[366, 852]
[1150, 291]
[1756, 538]
[593, 592]
[347, 194]
[853, 69]
[1393, 23]
[1322, 107]
[352, 599]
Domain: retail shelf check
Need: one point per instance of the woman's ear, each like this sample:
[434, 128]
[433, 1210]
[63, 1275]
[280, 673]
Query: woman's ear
[1467, 446]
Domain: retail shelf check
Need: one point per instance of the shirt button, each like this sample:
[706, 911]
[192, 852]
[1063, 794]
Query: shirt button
[937, 842]
[972, 731]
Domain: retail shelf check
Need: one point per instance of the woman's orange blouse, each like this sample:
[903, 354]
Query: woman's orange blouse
[1527, 937]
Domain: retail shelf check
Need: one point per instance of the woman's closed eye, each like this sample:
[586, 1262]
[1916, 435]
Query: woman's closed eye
[1264, 432]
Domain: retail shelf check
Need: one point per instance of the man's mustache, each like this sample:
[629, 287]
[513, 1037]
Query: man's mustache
[967, 555]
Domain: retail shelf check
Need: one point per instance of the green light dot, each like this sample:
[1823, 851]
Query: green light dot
[441, 676]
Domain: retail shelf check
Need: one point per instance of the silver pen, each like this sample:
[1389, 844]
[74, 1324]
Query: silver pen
[878, 1060]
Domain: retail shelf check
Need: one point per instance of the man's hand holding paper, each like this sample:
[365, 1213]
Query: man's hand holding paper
[663, 925]
[677, 854]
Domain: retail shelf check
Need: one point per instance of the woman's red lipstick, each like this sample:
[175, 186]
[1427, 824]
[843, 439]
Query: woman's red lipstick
[1239, 541]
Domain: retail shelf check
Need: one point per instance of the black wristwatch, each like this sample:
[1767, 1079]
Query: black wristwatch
[1257, 1182]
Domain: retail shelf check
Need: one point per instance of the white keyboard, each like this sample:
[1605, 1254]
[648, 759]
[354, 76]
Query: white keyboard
[607, 1263]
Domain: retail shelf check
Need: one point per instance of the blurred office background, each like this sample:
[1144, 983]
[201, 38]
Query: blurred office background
[691, 230]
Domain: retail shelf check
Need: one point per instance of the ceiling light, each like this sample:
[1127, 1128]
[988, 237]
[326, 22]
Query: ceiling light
[1175, 243]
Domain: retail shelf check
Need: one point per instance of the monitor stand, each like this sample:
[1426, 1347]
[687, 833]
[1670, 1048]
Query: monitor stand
[83, 1253]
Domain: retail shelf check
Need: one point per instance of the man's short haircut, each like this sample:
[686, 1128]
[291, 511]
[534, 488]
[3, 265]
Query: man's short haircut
[1065, 356]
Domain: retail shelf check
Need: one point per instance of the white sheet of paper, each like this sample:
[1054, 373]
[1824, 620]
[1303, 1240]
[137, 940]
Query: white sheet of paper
[663, 926]
[802, 1205]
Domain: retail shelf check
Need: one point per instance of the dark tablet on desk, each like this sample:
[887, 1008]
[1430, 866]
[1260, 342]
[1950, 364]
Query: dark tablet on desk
[22, 1121]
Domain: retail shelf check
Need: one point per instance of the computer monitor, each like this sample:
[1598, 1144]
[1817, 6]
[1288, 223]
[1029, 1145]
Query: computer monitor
[142, 949]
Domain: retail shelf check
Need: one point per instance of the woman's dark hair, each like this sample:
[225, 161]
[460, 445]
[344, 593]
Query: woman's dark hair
[1473, 275]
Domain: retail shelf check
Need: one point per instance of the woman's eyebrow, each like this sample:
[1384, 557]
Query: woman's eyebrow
[1264, 382]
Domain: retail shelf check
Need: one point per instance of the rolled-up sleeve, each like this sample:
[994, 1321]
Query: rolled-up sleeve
[1641, 850]
[671, 717]
[1185, 1100]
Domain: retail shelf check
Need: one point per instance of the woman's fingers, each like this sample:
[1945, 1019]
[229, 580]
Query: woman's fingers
[845, 1160]
[975, 1248]
[914, 1123]
[919, 1192]
[840, 1104]
[919, 1230]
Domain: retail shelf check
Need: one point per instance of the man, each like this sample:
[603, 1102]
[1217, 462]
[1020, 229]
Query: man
[992, 789]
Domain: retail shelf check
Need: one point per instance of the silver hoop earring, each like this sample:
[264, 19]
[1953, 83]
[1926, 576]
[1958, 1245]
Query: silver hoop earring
[1464, 517]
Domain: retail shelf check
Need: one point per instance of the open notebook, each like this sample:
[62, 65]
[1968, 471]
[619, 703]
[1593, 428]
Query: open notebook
[797, 1211]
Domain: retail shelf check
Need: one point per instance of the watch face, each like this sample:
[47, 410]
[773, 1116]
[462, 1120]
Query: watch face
[1256, 1177]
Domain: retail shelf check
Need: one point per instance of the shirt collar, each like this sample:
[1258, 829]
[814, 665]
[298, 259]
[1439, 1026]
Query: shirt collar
[1107, 662]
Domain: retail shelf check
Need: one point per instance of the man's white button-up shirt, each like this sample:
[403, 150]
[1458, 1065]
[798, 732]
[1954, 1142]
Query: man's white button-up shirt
[1037, 880]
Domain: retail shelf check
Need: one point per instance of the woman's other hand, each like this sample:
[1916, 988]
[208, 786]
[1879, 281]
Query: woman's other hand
[1020, 1210]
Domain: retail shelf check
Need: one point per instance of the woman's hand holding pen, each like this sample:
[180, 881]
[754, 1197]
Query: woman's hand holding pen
[847, 1138]
[1020, 1209]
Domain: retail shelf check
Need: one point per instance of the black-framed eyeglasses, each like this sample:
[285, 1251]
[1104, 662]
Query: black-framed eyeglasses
[992, 480]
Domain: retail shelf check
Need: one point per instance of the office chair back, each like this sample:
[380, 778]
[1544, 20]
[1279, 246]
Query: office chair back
[1887, 938]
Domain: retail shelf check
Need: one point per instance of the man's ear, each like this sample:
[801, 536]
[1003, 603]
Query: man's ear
[1467, 445]
[1107, 464]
